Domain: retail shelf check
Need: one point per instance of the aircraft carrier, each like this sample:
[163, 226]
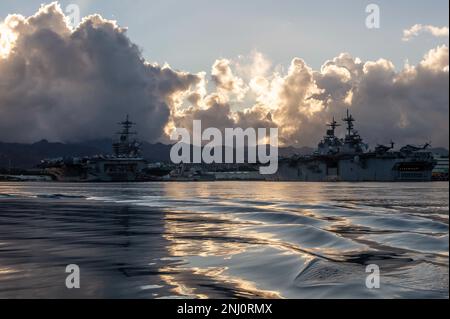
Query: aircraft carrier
[125, 165]
[349, 159]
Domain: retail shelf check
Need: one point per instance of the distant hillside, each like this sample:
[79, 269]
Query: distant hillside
[440, 150]
[28, 155]
[290, 150]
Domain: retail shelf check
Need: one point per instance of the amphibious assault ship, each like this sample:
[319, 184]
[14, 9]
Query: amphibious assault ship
[125, 165]
[349, 159]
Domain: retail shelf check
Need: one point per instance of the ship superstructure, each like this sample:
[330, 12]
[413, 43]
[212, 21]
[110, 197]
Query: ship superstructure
[126, 147]
[125, 165]
[349, 159]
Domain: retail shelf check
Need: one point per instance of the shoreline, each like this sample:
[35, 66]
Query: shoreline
[219, 181]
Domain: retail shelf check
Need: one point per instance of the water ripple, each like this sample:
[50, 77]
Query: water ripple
[224, 239]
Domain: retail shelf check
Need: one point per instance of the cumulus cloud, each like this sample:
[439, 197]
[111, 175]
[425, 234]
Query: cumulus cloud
[73, 84]
[226, 82]
[418, 29]
[409, 105]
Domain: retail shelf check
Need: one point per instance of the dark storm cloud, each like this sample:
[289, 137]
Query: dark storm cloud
[65, 84]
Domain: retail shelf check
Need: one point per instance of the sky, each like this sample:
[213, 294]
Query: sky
[293, 65]
[191, 35]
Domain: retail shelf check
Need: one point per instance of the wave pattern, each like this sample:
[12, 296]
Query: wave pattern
[224, 239]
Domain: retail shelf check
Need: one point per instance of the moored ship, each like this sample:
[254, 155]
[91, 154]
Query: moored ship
[125, 165]
[349, 159]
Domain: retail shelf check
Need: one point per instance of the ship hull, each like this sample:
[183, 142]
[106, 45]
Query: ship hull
[356, 169]
[101, 170]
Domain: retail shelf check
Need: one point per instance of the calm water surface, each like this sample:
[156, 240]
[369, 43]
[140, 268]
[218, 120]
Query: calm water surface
[224, 239]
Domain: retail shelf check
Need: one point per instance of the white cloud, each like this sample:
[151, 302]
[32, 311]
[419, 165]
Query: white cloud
[418, 29]
[408, 105]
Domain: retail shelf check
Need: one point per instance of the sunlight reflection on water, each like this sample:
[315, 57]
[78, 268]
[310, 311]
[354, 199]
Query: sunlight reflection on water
[224, 239]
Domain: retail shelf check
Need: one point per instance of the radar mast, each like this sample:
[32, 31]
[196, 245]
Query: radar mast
[349, 119]
[126, 147]
[333, 125]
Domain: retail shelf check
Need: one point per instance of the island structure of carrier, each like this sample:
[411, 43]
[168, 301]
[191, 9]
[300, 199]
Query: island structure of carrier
[125, 165]
[348, 159]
